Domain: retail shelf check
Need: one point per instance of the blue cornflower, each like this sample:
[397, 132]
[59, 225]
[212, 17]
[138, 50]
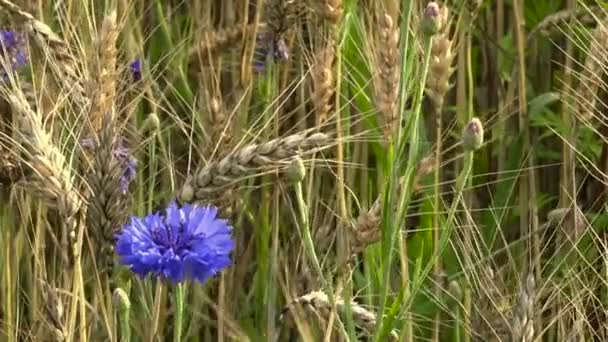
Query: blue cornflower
[187, 242]
[12, 49]
[135, 69]
[271, 49]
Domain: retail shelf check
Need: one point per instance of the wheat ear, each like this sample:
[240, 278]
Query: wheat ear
[53, 310]
[366, 230]
[63, 64]
[330, 10]
[522, 328]
[388, 58]
[442, 58]
[591, 78]
[215, 42]
[51, 178]
[105, 75]
[319, 301]
[216, 176]
[107, 204]
[323, 80]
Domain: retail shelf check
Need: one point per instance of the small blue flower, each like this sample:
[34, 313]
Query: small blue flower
[128, 163]
[123, 156]
[187, 242]
[12, 50]
[270, 49]
[135, 69]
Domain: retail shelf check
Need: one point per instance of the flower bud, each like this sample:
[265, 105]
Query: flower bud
[472, 136]
[455, 289]
[431, 19]
[121, 299]
[296, 171]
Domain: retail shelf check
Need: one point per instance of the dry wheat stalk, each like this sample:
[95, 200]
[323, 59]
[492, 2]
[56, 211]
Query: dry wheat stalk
[594, 69]
[319, 302]
[323, 80]
[522, 328]
[63, 63]
[442, 58]
[388, 58]
[50, 177]
[216, 176]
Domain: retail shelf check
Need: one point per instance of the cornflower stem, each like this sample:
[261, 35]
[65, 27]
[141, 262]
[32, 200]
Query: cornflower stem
[179, 312]
[156, 313]
[124, 321]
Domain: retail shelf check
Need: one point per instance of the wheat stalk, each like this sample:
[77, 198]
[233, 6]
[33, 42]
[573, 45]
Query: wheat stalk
[215, 176]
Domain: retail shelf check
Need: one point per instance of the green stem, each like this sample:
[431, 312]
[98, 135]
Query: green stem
[179, 313]
[391, 229]
[158, 296]
[307, 237]
[124, 318]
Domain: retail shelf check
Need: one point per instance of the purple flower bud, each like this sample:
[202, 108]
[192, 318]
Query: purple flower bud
[270, 49]
[135, 69]
[12, 51]
[472, 137]
[431, 19]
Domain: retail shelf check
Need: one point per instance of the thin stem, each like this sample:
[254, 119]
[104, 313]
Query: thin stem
[179, 313]
[306, 236]
[156, 312]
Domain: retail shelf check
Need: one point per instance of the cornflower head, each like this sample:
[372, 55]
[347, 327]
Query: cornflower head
[12, 50]
[271, 49]
[184, 242]
[123, 156]
[135, 69]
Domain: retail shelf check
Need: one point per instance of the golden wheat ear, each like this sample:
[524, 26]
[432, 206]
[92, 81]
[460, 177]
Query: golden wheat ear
[217, 176]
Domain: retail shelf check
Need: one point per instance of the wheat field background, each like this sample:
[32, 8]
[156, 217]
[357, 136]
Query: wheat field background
[303, 170]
